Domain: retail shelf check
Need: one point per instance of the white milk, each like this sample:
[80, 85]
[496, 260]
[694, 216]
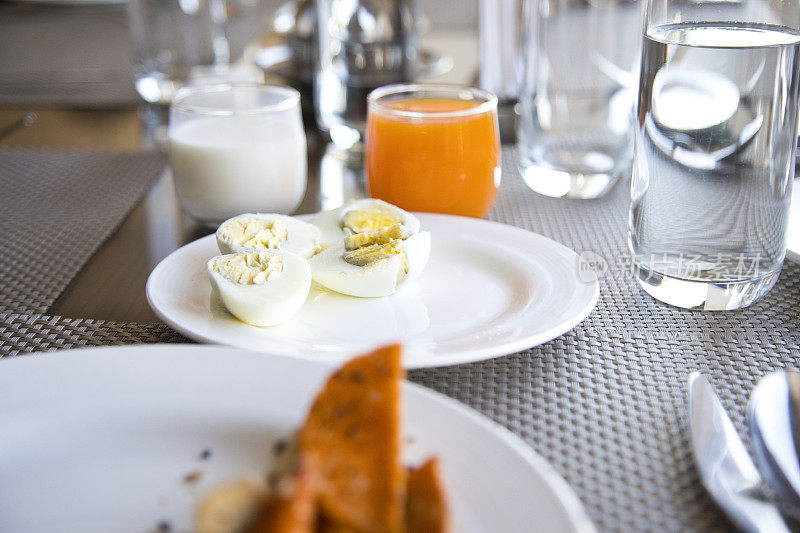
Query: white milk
[229, 165]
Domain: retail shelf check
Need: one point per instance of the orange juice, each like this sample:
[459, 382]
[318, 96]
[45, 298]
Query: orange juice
[433, 154]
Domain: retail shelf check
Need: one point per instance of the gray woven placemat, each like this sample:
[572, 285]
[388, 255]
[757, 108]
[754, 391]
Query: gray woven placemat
[605, 403]
[65, 55]
[21, 333]
[78, 54]
[56, 208]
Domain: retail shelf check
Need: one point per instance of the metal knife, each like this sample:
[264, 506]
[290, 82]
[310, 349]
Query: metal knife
[726, 469]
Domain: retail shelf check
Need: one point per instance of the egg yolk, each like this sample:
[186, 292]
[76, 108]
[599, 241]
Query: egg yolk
[359, 221]
[253, 268]
[375, 252]
[255, 233]
[376, 236]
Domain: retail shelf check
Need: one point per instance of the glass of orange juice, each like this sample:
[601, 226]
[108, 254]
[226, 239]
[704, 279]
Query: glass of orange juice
[433, 148]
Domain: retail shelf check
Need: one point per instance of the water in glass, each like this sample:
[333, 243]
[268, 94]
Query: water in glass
[716, 123]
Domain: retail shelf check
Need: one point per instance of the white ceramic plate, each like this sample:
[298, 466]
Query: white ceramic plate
[488, 290]
[101, 439]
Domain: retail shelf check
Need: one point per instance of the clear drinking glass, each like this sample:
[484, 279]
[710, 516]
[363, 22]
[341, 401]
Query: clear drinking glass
[237, 149]
[433, 148]
[715, 134]
[363, 45]
[577, 93]
[172, 40]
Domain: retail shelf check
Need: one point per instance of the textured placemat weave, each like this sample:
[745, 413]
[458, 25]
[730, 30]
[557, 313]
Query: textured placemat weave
[22, 333]
[65, 55]
[78, 54]
[605, 403]
[56, 208]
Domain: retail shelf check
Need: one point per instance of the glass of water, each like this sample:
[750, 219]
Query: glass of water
[577, 93]
[715, 131]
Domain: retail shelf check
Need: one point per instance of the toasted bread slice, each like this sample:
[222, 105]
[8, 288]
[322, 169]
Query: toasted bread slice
[426, 503]
[351, 443]
[291, 510]
[327, 526]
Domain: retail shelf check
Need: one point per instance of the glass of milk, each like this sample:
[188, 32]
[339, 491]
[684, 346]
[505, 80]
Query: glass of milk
[237, 148]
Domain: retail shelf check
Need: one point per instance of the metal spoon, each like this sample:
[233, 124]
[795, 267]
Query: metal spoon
[774, 418]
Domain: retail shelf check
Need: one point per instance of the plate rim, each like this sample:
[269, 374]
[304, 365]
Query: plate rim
[443, 360]
[572, 507]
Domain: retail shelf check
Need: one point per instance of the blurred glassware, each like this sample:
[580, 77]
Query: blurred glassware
[288, 52]
[499, 36]
[341, 177]
[433, 148]
[363, 44]
[577, 93]
[498, 29]
[296, 22]
[237, 148]
[171, 40]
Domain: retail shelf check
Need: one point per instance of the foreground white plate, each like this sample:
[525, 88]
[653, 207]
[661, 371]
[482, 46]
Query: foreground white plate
[101, 439]
[489, 290]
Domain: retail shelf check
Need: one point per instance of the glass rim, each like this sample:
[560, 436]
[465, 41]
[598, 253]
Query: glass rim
[488, 101]
[291, 98]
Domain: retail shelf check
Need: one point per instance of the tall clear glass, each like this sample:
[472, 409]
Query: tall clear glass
[716, 131]
[237, 149]
[577, 94]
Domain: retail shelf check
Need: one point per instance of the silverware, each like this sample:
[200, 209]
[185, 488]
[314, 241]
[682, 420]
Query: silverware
[772, 415]
[725, 468]
[27, 119]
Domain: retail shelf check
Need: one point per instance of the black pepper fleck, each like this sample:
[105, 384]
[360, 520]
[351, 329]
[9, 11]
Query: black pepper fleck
[164, 527]
[193, 477]
[205, 455]
[279, 446]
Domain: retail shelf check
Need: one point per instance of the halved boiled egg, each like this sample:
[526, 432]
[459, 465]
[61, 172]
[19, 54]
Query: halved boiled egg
[361, 216]
[373, 263]
[267, 231]
[261, 288]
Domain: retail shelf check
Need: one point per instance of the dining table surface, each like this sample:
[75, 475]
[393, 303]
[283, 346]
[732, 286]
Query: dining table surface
[604, 404]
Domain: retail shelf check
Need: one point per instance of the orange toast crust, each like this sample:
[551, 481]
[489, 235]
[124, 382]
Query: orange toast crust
[426, 503]
[351, 444]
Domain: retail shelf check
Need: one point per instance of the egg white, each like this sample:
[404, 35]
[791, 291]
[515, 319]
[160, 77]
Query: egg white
[302, 238]
[330, 222]
[380, 278]
[269, 303]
